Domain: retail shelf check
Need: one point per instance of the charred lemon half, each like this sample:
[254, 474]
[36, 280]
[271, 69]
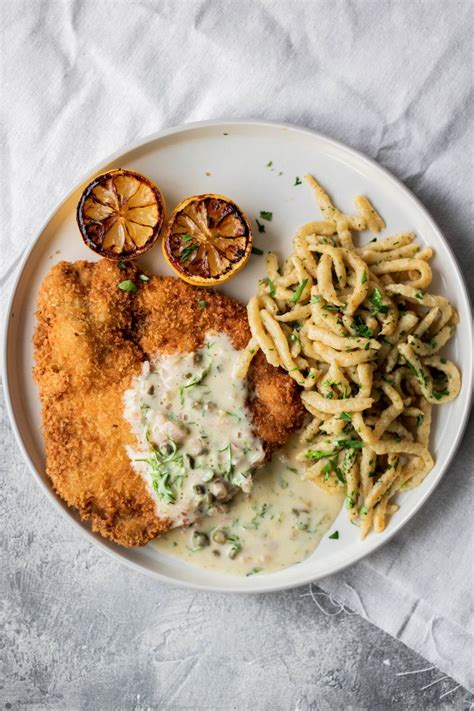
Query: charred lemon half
[120, 214]
[207, 240]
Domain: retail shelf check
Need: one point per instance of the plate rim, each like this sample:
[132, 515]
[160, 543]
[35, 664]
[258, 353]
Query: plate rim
[105, 545]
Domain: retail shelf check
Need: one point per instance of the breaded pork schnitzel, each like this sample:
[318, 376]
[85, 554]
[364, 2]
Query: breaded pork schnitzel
[91, 339]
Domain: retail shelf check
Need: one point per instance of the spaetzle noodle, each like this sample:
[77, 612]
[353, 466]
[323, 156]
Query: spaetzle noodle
[354, 326]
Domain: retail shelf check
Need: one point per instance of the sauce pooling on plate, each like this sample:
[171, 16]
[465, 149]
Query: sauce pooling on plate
[197, 451]
[196, 448]
[278, 524]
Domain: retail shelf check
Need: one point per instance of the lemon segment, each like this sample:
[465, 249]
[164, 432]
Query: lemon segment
[208, 239]
[120, 214]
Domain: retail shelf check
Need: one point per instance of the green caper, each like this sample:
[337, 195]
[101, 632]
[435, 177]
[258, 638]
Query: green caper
[219, 536]
[201, 540]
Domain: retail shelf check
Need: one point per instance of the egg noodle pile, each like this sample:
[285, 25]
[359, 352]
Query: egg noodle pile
[356, 329]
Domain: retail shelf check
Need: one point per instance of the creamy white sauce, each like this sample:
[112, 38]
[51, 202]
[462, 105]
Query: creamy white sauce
[196, 447]
[278, 524]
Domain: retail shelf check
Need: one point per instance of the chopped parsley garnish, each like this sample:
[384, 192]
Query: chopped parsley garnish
[340, 444]
[378, 307]
[331, 307]
[364, 277]
[122, 265]
[419, 420]
[230, 464]
[186, 237]
[345, 416]
[360, 328]
[256, 250]
[297, 181]
[327, 470]
[265, 215]
[271, 286]
[334, 536]
[162, 487]
[201, 303]
[339, 473]
[350, 503]
[261, 228]
[315, 299]
[144, 277]
[187, 251]
[438, 394]
[350, 444]
[197, 380]
[346, 392]
[167, 467]
[420, 295]
[297, 294]
[253, 571]
[259, 515]
[234, 415]
[236, 546]
[128, 285]
[269, 164]
[363, 511]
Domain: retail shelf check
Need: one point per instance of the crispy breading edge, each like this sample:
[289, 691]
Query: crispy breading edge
[91, 338]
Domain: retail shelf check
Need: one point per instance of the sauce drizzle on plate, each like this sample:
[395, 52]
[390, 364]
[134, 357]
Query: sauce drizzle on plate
[278, 524]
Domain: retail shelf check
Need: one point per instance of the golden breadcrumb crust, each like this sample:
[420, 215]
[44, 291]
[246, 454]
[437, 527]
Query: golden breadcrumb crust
[91, 338]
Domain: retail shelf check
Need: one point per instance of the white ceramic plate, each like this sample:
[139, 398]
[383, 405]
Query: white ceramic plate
[231, 158]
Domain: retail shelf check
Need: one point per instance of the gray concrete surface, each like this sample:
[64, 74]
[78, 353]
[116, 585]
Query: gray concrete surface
[81, 631]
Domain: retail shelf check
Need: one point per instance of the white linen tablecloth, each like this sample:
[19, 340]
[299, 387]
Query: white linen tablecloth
[391, 79]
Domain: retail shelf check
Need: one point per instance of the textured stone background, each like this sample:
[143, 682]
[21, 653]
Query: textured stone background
[81, 631]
